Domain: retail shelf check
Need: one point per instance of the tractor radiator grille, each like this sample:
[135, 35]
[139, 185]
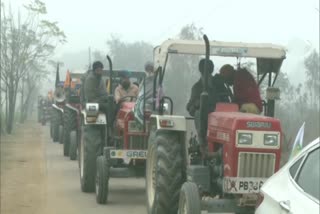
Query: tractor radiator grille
[256, 165]
[138, 142]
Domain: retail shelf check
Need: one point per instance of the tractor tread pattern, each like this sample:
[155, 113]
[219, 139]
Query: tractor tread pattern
[169, 173]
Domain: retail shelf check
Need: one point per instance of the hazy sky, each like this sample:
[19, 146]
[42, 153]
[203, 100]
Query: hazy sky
[90, 23]
[292, 23]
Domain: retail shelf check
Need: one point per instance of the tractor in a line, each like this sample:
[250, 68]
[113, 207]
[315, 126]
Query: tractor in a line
[71, 114]
[56, 123]
[111, 143]
[241, 150]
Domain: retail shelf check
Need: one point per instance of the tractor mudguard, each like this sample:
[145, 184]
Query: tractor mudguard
[72, 108]
[169, 122]
[57, 108]
[101, 119]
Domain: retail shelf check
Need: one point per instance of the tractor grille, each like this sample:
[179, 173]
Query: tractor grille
[138, 142]
[256, 165]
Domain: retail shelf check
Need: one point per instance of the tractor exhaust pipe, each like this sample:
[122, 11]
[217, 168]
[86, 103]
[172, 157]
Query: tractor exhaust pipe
[204, 98]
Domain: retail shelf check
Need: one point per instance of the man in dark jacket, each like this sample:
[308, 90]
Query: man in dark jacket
[217, 91]
[95, 90]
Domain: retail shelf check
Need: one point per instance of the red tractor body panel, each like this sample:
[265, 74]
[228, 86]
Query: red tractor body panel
[125, 117]
[223, 129]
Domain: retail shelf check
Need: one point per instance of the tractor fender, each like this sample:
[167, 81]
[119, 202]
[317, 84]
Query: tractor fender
[57, 108]
[72, 108]
[178, 122]
[101, 119]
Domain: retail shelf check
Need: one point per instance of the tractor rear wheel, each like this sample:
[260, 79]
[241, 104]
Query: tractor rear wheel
[70, 124]
[55, 126]
[189, 199]
[66, 132]
[102, 180]
[165, 173]
[91, 141]
[73, 145]
[61, 134]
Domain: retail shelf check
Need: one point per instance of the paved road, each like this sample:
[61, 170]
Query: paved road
[64, 194]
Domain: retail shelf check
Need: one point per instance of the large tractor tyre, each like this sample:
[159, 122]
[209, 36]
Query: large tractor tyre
[61, 134]
[189, 202]
[102, 180]
[73, 145]
[91, 140]
[55, 126]
[66, 132]
[165, 173]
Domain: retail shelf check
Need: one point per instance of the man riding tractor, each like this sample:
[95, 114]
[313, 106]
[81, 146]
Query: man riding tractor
[92, 136]
[220, 167]
[111, 145]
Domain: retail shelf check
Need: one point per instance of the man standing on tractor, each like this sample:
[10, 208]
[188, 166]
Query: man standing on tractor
[145, 93]
[125, 88]
[245, 88]
[94, 86]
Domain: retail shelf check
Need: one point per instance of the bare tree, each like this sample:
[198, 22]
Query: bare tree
[24, 45]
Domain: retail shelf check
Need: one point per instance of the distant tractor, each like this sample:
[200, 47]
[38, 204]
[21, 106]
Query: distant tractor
[56, 125]
[71, 114]
[240, 151]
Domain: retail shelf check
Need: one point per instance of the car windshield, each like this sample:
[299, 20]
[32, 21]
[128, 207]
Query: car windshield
[309, 175]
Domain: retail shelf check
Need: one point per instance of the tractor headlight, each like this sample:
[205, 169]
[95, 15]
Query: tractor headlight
[92, 109]
[244, 138]
[271, 139]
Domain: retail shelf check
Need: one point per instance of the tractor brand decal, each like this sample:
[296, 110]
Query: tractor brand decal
[266, 125]
[242, 185]
[223, 136]
[131, 154]
[229, 51]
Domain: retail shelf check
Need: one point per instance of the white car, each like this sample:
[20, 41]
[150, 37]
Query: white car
[295, 187]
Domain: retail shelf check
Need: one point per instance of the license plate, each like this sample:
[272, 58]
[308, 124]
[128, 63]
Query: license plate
[128, 154]
[238, 185]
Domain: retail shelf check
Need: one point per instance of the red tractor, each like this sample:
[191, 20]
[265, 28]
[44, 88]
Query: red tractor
[240, 151]
[121, 142]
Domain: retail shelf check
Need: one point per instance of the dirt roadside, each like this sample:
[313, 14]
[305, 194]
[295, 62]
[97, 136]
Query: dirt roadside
[23, 171]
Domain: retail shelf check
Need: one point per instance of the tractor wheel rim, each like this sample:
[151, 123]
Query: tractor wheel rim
[152, 180]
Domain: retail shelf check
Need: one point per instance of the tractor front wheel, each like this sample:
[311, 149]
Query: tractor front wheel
[102, 180]
[73, 145]
[164, 173]
[189, 199]
[91, 140]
